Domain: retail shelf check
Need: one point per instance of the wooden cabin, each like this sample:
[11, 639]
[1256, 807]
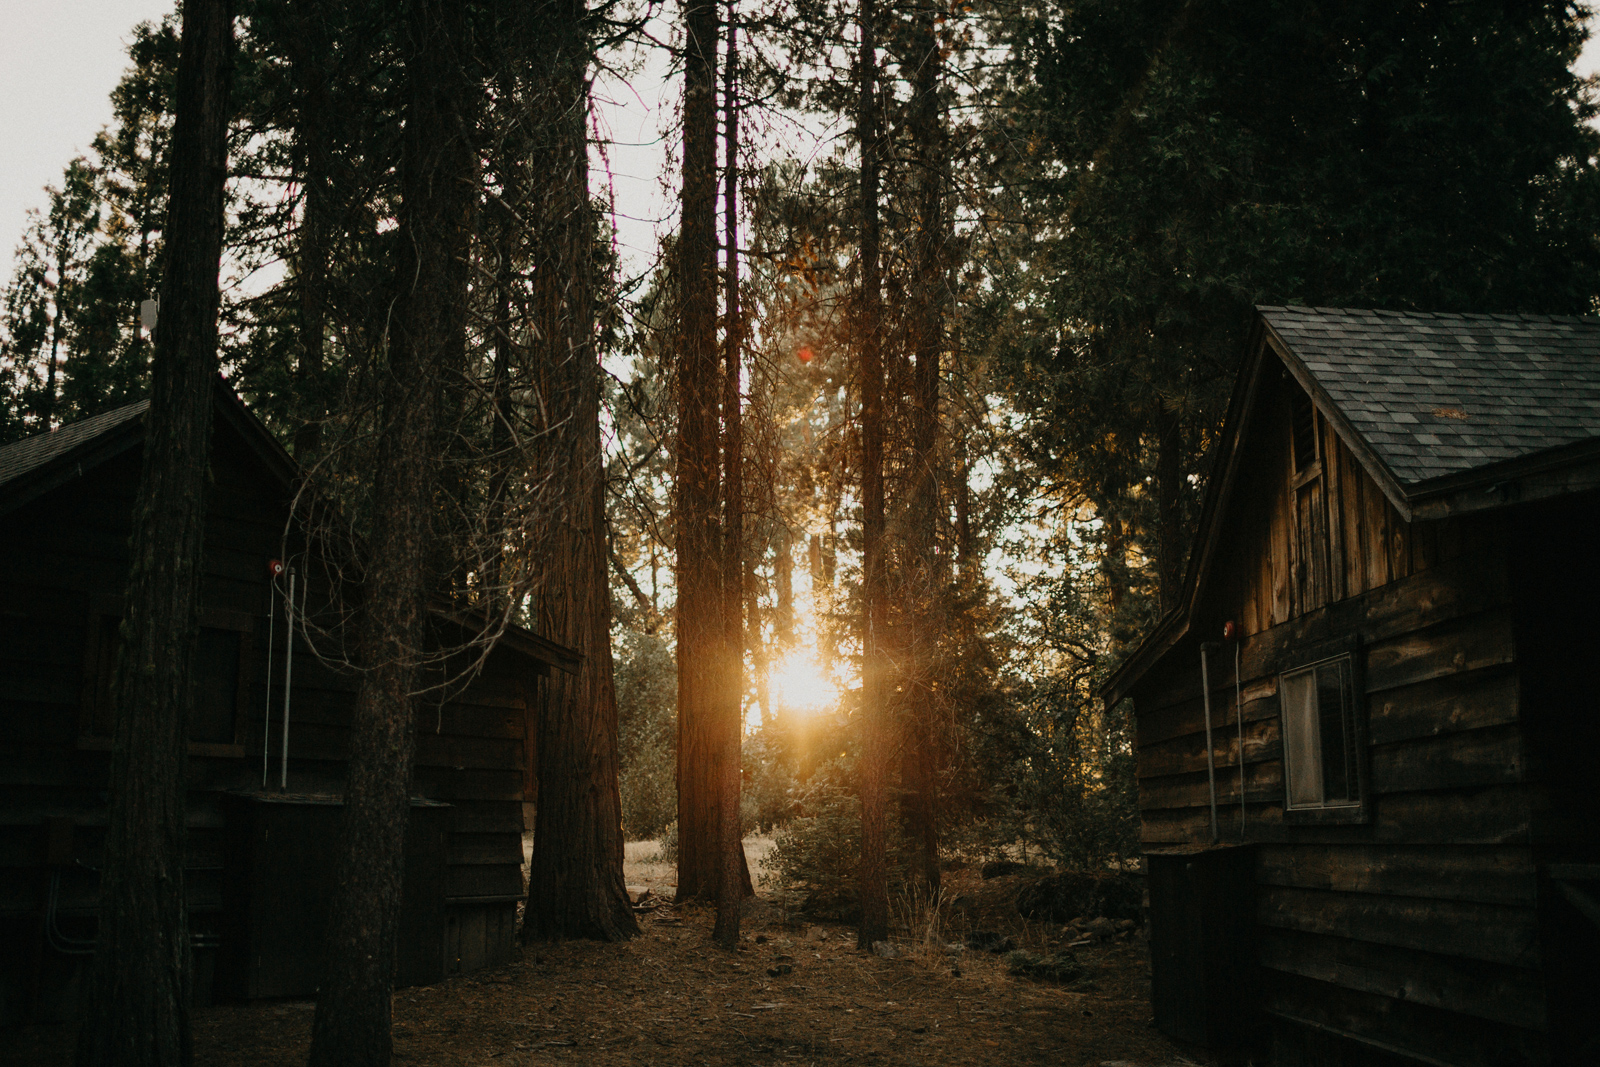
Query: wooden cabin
[261, 825]
[1369, 733]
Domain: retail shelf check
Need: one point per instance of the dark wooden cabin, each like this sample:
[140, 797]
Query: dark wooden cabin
[1399, 551]
[257, 854]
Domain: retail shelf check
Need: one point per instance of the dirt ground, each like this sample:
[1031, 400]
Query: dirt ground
[793, 993]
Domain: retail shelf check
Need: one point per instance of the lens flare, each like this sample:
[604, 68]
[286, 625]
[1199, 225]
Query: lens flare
[800, 686]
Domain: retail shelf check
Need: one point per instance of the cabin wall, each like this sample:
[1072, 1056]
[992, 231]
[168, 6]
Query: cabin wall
[1414, 931]
[63, 566]
[1556, 587]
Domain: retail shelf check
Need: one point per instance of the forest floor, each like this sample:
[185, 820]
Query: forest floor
[671, 997]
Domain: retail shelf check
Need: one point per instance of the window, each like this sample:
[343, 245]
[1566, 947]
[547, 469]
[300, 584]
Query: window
[1322, 739]
[219, 685]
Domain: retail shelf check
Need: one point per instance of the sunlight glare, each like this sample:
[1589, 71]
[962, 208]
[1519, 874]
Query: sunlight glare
[800, 685]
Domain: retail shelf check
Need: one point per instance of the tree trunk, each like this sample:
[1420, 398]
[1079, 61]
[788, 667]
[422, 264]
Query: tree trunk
[310, 58]
[874, 757]
[575, 888]
[731, 875]
[438, 172]
[699, 548]
[923, 602]
[136, 1010]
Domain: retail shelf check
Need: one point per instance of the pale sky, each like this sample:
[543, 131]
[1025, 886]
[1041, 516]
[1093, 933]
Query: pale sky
[59, 61]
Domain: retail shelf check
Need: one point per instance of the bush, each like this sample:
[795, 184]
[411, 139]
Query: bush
[768, 798]
[647, 703]
[820, 846]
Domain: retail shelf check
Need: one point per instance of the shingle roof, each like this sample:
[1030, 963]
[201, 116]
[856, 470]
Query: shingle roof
[1436, 394]
[31, 453]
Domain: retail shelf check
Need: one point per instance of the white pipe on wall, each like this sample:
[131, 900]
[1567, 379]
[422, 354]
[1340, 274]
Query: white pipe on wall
[288, 687]
[1211, 763]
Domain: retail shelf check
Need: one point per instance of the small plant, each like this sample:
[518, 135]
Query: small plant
[922, 914]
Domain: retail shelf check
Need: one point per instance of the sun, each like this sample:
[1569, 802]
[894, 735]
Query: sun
[801, 686]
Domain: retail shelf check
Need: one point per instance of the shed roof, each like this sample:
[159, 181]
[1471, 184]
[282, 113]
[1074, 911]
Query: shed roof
[23, 457]
[1448, 413]
[1432, 398]
[36, 465]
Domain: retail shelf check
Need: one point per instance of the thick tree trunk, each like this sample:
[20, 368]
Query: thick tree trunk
[575, 888]
[136, 1010]
[699, 547]
[352, 1025]
[874, 756]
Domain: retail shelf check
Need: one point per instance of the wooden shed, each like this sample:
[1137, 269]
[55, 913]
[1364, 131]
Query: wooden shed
[260, 823]
[1373, 830]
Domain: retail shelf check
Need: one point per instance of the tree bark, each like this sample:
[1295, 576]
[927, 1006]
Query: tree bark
[699, 545]
[874, 757]
[310, 59]
[575, 888]
[730, 837]
[136, 1010]
[922, 609]
[438, 195]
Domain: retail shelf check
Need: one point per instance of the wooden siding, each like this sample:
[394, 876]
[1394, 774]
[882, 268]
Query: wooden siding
[1416, 930]
[65, 566]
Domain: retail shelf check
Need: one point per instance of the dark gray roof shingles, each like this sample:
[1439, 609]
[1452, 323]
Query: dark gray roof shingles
[1438, 394]
[31, 453]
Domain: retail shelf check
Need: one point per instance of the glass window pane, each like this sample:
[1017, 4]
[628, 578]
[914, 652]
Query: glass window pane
[216, 686]
[1302, 740]
[1338, 777]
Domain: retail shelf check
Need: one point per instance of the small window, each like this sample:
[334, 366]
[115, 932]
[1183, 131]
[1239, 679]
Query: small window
[1303, 430]
[218, 685]
[1321, 739]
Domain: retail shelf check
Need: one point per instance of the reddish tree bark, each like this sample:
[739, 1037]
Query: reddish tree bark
[699, 549]
[575, 888]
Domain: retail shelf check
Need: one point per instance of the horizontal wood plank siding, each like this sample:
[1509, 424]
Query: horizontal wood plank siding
[66, 566]
[1419, 926]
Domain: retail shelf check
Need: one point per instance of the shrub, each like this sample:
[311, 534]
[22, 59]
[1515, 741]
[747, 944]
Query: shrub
[647, 701]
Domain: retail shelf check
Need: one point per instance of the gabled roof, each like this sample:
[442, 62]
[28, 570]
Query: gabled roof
[1435, 404]
[26, 464]
[35, 465]
[1448, 413]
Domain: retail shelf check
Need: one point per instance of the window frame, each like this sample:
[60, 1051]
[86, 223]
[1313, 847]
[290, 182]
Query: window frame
[1360, 811]
[94, 651]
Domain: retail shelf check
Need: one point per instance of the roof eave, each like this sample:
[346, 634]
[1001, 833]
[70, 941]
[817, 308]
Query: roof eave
[1174, 625]
[1553, 472]
[64, 468]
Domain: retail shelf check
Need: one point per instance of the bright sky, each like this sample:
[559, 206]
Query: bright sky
[59, 62]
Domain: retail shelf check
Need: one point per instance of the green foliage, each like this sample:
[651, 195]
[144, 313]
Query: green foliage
[820, 846]
[768, 798]
[70, 343]
[647, 699]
